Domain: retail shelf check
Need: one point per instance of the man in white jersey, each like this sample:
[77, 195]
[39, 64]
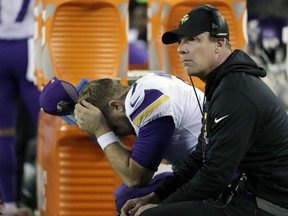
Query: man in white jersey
[160, 109]
[16, 68]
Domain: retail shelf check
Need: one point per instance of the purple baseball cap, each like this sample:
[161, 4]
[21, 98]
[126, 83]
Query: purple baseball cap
[58, 97]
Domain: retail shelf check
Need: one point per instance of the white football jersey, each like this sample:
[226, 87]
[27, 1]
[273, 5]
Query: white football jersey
[16, 19]
[157, 95]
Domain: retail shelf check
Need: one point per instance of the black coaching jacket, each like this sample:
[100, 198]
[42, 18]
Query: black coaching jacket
[246, 130]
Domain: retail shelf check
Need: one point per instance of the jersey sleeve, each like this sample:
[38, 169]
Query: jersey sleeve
[147, 106]
[152, 141]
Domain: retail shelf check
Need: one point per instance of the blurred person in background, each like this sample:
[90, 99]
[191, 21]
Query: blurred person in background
[17, 76]
[138, 51]
[266, 20]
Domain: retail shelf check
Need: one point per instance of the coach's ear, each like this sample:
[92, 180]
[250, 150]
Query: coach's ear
[220, 43]
[116, 106]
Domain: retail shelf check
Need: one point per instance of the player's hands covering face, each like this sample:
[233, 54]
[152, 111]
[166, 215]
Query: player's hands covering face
[90, 119]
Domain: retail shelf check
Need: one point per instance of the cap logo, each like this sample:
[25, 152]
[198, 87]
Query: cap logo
[184, 19]
[62, 105]
[52, 81]
[214, 26]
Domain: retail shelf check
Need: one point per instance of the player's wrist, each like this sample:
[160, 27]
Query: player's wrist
[103, 129]
[107, 139]
[154, 198]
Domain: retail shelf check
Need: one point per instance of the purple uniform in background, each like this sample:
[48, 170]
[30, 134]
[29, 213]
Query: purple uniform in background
[16, 67]
[138, 53]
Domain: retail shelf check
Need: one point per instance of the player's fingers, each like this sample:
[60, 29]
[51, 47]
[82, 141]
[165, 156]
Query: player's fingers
[88, 105]
[79, 108]
[127, 207]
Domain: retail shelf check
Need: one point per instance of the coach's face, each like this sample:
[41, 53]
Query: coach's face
[198, 54]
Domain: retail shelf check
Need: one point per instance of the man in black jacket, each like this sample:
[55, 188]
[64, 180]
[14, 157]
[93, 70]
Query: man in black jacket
[240, 165]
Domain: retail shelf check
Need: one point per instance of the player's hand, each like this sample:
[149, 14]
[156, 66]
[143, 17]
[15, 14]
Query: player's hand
[144, 208]
[90, 119]
[132, 206]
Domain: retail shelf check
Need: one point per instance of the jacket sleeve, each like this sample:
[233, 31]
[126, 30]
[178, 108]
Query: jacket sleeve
[229, 140]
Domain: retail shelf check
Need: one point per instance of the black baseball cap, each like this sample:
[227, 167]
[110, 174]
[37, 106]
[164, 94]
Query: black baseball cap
[192, 24]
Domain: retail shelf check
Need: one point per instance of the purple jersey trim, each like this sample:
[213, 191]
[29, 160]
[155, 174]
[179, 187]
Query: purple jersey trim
[150, 96]
[23, 11]
[152, 142]
[133, 88]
